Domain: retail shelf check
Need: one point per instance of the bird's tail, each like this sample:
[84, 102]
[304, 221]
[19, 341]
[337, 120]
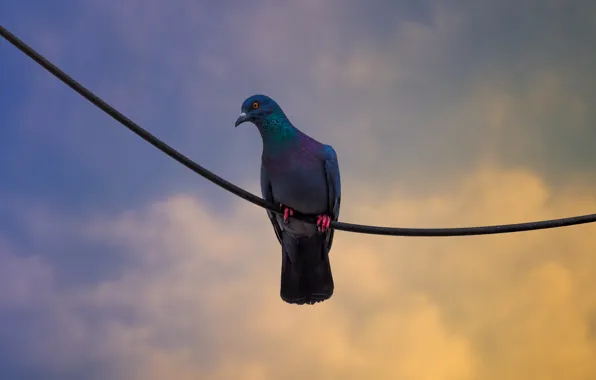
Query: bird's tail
[306, 271]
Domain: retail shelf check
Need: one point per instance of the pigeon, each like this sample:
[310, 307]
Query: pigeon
[300, 174]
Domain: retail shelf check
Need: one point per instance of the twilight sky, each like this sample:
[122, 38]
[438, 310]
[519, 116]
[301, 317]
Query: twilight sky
[118, 263]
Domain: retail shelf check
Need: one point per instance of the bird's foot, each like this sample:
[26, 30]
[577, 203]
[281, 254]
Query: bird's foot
[323, 222]
[287, 212]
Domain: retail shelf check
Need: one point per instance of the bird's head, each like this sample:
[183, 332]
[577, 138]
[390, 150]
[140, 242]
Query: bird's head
[257, 108]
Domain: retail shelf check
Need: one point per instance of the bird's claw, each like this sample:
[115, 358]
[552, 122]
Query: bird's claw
[287, 212]
[323, 222]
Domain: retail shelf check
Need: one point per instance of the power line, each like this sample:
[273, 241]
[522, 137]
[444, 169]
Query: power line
[373, 230]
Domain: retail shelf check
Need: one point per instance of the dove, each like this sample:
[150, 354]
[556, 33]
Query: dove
[300, 174]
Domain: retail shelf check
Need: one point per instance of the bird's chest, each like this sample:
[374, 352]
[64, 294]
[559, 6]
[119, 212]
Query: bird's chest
[298, 181]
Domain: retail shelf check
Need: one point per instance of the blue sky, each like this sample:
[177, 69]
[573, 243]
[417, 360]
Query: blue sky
[117, 262]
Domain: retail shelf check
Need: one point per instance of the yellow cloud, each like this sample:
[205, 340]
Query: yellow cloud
[510, 306]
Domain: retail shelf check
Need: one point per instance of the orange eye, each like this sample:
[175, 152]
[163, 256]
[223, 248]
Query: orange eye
[255, 105]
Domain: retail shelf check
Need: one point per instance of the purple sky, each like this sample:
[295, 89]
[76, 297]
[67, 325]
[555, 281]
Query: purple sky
[116, 262]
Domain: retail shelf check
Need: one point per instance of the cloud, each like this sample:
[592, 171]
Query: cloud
[202, 298]
[441, 116]
[24, 281]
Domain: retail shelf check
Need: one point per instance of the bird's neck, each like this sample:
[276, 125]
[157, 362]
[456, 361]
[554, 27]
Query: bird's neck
[278, 134]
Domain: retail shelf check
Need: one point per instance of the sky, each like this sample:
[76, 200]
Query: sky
[118, 263]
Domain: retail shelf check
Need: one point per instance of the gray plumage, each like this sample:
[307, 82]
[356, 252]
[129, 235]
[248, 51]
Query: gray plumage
[302, 174]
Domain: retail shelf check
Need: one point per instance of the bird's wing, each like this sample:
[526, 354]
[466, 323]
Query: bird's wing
[268, 195]
[333, 187]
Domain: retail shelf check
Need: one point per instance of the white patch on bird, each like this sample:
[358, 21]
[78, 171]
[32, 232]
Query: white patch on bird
[243, 114]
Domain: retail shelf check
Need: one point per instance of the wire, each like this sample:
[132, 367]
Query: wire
[349, 227]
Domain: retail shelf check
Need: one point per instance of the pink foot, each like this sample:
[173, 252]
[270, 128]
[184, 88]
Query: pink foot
[323, 222]
[287, 212]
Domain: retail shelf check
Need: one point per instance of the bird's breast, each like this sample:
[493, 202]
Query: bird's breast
[299, 184]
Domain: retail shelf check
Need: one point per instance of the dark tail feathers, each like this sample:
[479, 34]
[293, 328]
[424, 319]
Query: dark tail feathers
[306, 271]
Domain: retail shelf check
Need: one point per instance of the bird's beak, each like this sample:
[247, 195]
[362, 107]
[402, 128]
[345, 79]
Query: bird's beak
[241, 119]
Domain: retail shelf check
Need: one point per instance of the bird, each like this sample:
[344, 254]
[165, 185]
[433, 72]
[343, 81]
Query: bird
[300, 174]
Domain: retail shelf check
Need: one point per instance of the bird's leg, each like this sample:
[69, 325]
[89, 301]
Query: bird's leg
[287, 212]
[323, 222]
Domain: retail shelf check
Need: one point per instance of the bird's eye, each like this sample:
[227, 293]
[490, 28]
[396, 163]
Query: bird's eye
[255, 105]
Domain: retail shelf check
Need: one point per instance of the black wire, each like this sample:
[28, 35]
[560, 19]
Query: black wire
[373, 230]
